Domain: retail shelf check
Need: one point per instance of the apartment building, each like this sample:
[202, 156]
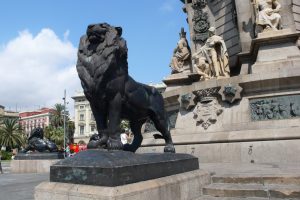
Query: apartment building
[33, 119]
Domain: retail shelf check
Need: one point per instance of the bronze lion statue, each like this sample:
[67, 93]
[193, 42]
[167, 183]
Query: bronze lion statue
[36, 142]
[113, 95]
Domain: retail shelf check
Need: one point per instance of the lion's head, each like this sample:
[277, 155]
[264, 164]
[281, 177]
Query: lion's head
[37, 133]
[102, 49]
[97, 33]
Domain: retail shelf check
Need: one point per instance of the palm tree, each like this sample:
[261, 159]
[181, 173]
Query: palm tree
[70, 131]
[58, 117]
[57, 136]
[11, 134]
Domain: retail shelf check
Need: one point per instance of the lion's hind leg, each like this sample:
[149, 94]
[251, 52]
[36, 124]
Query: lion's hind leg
[161, 125]
[136, 127]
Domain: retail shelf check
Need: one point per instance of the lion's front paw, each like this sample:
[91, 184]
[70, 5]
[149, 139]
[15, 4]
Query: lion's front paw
[114, 144]
[97, 142]
[169, 148]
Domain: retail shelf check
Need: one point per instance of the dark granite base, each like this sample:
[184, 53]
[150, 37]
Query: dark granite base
[39, 156]
[114, 168]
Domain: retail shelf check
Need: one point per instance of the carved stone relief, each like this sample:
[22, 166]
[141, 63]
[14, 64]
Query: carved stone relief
[207, 111]
[200, 19]
[187, 101]
[275, 108]
[230, 92]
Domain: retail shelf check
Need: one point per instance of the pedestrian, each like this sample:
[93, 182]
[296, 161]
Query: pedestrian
[1, 171]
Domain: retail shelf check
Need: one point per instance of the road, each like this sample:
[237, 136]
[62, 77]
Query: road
[19, 186]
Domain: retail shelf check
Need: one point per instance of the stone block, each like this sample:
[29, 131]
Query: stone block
[31, 166]
[114, 168]
[185, 186]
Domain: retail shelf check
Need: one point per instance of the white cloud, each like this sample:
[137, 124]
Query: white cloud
[167, 6]
[35, 70]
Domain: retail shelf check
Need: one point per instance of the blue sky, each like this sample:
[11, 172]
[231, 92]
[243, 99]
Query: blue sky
[150, 27]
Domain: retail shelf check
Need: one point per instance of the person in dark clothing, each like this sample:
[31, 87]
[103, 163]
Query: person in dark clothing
[1, 171]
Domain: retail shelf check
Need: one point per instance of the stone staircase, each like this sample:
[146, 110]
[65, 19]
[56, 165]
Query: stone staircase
[253, 187]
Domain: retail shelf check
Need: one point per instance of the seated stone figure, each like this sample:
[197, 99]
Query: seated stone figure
[181, 54]
[36, 142]
[267, 15]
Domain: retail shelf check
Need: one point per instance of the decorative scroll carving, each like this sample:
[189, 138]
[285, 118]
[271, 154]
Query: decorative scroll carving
[200, 19]
[275, 108]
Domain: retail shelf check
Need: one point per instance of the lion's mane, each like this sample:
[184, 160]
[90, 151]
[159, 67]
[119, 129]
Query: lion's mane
[102, 55]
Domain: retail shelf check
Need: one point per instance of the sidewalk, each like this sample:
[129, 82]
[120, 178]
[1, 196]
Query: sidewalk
[251, 168]
[19, 186]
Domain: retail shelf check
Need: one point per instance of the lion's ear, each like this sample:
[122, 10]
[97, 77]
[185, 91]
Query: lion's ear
[119, 30]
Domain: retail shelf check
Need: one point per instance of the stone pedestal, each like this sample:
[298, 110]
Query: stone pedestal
[181, 79]
[34, 162]
[271, 51]
[101, 174]
[114, 168]
[186, 186]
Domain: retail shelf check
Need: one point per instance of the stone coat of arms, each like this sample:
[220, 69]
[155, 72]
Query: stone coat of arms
[207, 111]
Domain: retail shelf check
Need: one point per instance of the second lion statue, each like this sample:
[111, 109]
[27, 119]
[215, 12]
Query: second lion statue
[113, 95]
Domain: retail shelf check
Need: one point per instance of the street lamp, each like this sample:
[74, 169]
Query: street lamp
[64, 98]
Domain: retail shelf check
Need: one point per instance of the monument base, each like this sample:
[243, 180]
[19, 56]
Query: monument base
[34, 162]
[186, 186]
[114, 168]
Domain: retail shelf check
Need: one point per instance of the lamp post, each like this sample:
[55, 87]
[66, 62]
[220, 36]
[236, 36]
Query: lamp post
[64, 98]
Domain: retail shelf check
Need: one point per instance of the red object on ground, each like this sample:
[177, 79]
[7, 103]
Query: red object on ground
[75, 148]
[82, 147]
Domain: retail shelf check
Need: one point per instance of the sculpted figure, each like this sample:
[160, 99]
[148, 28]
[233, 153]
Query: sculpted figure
[36, 142]
[113, 95]
[202, 67]
[181, 54]
[214, 52]
[267, 15]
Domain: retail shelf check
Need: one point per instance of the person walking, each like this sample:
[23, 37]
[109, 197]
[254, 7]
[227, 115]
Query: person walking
[1, 171]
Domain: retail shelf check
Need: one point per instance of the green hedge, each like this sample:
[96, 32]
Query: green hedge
[6, 155]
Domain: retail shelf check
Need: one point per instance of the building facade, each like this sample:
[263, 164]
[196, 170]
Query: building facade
[33, 119]
[85, 124]
[7, 114]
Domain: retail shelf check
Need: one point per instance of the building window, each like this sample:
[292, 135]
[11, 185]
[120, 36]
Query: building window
[81, 107]
[81, 117]
[92, 128]
[92, 117]
[81, 130]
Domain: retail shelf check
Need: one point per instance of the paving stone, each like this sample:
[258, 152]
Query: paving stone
[228, 198]
[235, 190]
[258, 178]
